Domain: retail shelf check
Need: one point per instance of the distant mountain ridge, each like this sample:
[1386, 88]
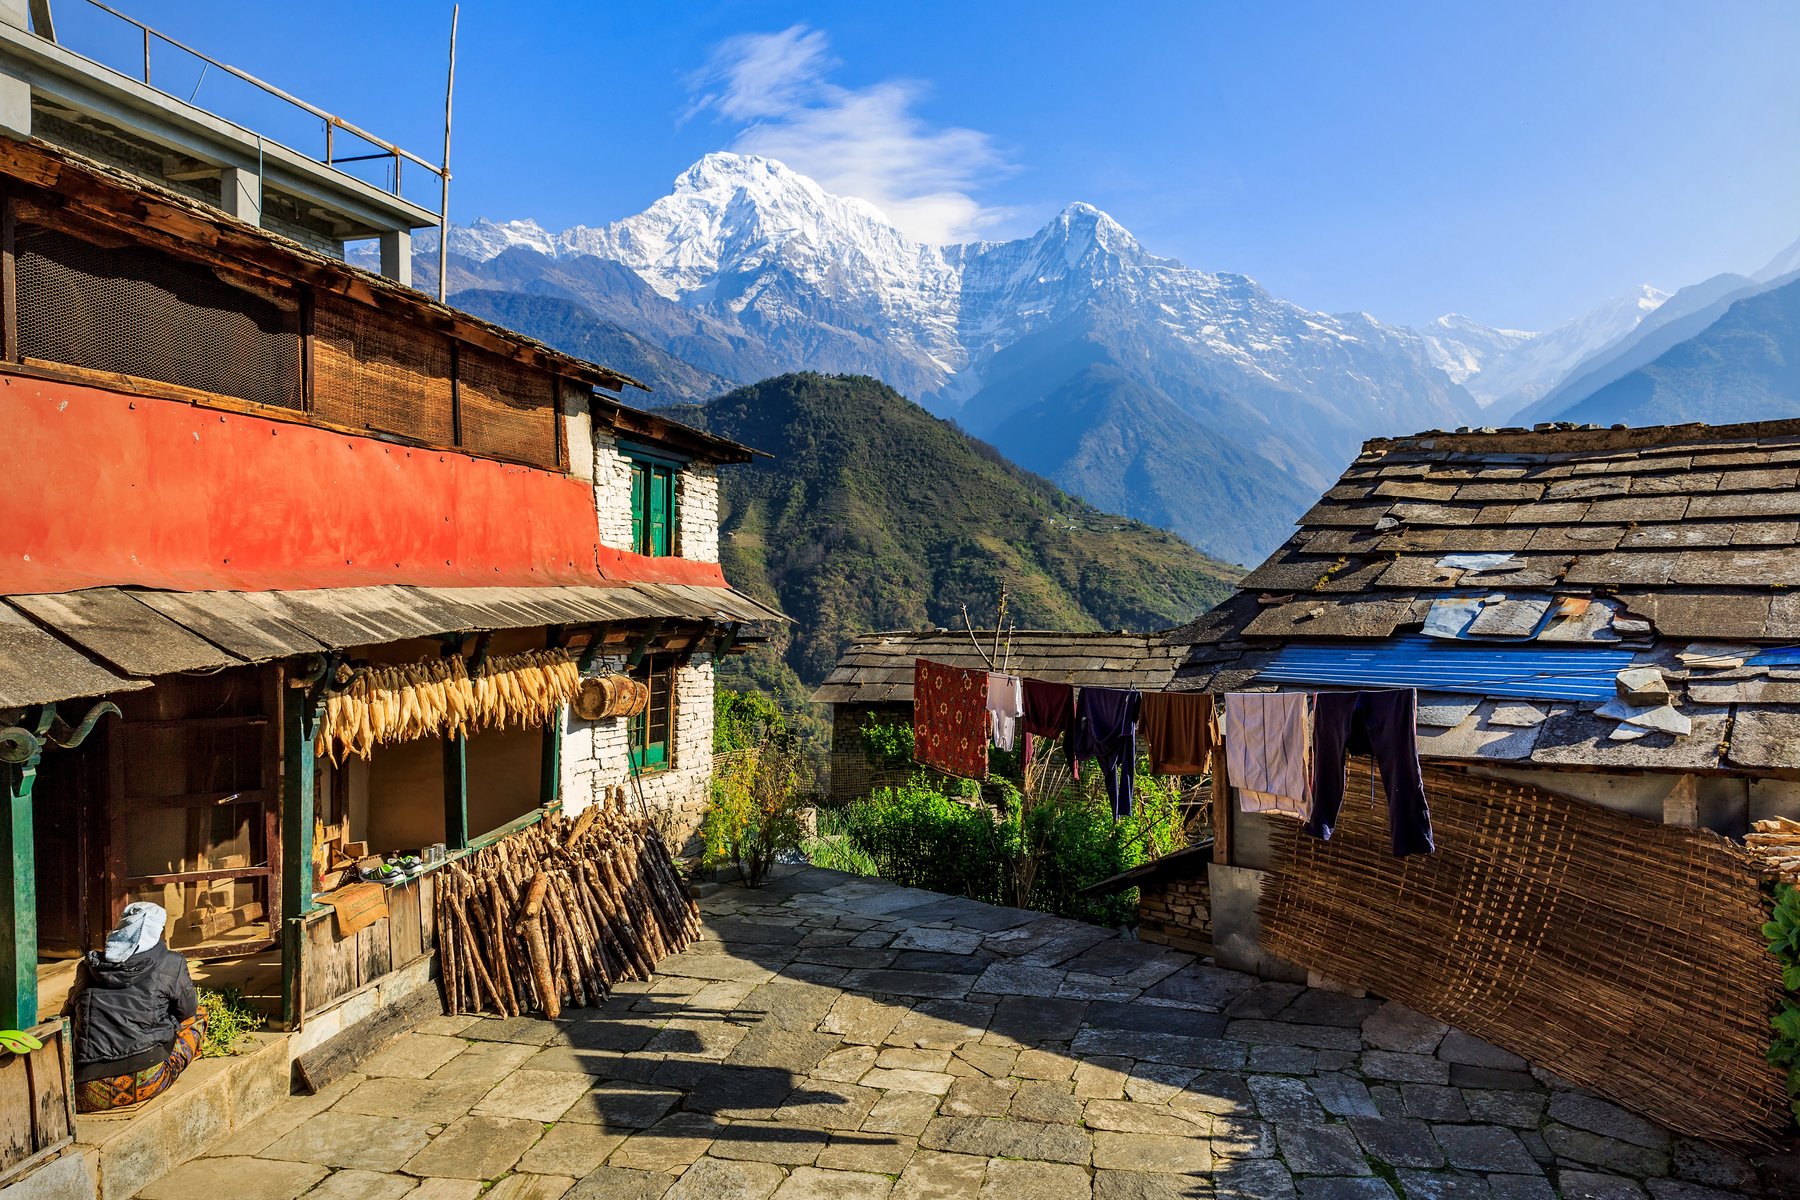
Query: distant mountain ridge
[1193, 399]
[872, 514]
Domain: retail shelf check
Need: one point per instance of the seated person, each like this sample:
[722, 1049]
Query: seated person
[137, 1017]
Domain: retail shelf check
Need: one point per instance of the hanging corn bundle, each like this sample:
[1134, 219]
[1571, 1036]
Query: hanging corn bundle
[386, 704]
[558, 913]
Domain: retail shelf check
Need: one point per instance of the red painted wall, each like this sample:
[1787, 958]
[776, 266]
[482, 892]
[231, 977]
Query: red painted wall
[108, 489]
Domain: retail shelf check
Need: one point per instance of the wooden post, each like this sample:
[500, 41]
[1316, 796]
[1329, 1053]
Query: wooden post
[1221, 804]
[18, 862]
[18, 925]
[301, 711]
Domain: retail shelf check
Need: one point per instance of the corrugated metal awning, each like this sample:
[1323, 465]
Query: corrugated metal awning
[48, 643]
[1530, 672]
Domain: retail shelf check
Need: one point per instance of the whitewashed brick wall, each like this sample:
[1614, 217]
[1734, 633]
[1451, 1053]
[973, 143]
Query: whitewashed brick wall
[595, 757]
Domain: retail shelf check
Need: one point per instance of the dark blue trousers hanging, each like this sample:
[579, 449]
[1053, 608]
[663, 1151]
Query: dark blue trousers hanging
[1106, 721]
[1383, 724]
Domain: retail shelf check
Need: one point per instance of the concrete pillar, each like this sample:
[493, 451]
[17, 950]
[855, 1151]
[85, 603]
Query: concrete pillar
[240, 194]
[15, 106]
[396, 256]
[16, 13]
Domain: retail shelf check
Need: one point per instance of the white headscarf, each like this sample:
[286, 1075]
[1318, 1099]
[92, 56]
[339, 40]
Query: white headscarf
[140, 927]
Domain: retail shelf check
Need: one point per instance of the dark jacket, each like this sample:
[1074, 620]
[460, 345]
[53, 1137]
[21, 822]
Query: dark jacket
[126, 1012]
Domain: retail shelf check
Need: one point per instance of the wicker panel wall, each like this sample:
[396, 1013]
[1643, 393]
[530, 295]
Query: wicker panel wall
[137, 311]
[372, 371]
[508, 410]
[1622, 955]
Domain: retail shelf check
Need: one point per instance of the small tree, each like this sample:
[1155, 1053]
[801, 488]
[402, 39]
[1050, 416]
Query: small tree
[757, 804]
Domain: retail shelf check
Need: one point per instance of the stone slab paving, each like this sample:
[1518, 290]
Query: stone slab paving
[838, 1038]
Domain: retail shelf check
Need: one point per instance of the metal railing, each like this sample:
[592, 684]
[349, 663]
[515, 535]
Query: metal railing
[331, 123]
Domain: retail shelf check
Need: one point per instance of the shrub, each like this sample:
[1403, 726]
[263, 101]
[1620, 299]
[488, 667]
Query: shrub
[757, 804]
[942, 835]
[1783, 935]
[228, 1018]
[742, 720]
[888, 743]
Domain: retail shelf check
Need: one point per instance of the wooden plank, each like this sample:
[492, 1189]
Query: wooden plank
[373, 959]
[52, 1122]
[16, 1111]
[333, 1059]
[404, 942]
[9, 281]
[428, 912]
[328, 966]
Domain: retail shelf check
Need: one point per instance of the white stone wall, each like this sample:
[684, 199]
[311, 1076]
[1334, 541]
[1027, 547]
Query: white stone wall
[696, 502]
[612, 491]
[698, 513]
[595, 756]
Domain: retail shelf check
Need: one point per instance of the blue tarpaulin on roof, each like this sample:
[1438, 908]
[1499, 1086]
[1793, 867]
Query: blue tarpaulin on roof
[1528, 672]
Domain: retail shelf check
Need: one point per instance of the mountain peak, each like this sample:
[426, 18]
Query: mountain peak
[723, 168]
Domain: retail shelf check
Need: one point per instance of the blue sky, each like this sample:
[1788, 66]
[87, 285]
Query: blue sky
[1519, 163]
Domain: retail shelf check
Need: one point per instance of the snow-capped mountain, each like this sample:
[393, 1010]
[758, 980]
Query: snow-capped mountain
[1520, 375]
[1189, 398]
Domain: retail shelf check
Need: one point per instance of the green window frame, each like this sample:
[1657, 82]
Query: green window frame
[653, 730]
[654, 503]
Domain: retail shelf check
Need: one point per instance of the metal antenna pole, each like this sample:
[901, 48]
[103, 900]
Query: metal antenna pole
[444, 174]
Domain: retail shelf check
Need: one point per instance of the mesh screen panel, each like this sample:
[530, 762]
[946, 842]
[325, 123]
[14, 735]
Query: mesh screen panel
[508, 410]
[140, 312]
[373, 371]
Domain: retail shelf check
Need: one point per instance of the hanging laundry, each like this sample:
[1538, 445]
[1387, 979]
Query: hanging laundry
[950, 719]
[1106, 724]
[1181, 731]
[1383, 724]
[1268, 750]
[1049, 714]
[1005, 704]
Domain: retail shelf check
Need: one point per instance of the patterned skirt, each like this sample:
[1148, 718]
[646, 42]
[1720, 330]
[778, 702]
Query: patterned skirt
[122, 1091]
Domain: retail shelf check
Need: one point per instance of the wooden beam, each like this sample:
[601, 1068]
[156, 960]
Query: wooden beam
[301, 711]
[9, 281]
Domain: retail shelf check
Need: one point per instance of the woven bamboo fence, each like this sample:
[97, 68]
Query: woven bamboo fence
[1622, 955]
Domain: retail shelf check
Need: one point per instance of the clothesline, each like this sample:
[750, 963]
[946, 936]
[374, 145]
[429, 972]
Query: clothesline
[1284, 751]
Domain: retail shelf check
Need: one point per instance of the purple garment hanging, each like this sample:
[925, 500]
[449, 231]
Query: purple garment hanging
[1106, 721]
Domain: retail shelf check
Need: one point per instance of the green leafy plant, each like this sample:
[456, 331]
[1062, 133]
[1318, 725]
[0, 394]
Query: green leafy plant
[228, 1018]
[994, 843]
[741, 720]
[757, 804]
[1783, 934]
[888, 743]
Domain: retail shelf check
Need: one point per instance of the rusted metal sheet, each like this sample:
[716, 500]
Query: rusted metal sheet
[114, 627]
[37, 668]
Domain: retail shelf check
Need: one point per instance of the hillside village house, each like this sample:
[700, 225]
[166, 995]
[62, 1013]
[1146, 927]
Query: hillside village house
[296, 472]
[873, 681]
[1602, 626]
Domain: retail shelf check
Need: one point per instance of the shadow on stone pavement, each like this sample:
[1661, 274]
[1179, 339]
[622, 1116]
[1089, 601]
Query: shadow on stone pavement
[834, 1037]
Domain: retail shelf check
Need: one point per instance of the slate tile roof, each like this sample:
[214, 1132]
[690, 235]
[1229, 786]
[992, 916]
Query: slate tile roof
[1646, 539]
[877, 668]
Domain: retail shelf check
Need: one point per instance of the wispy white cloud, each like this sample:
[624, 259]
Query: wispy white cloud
[867, 142]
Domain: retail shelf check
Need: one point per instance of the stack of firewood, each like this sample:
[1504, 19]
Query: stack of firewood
[1777, 843]
[559, 912]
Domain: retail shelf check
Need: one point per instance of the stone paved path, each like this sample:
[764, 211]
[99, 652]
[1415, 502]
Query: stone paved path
[837, 1038]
